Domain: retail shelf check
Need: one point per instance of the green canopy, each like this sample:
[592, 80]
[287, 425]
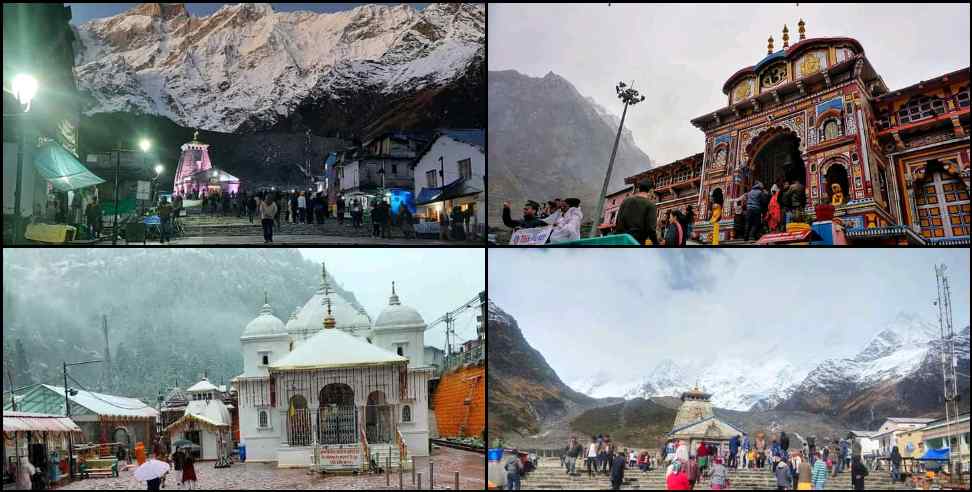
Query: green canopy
[62, 169]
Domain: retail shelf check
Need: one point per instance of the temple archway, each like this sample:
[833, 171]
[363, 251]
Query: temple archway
[120, 435]
[777, 159]
[337, 419]
[378, 418]
[837, 174]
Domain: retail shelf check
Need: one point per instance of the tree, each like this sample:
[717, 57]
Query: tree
[21, 365]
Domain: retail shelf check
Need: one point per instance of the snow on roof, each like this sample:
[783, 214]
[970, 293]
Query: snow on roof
[335, 348]
[202, 386]
[209, 413]
[109, 405]
[903, 420]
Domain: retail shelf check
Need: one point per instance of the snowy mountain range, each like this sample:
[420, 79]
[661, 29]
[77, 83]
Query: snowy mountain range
[904, 350]
[247, 67]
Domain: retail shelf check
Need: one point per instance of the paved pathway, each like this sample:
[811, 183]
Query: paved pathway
[243, 476]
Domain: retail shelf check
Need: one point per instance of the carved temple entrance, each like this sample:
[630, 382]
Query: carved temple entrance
[943, 204]
[778, 160]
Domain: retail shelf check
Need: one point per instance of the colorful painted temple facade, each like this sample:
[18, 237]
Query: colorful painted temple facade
[196, 176]
[818, 112]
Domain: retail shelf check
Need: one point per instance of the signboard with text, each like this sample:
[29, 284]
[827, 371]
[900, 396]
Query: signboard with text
[535, 236]
[340, 456]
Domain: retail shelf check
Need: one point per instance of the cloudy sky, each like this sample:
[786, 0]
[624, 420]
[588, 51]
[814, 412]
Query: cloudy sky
[83, 12]
[433, 281]
[680, 55]
[638, 307]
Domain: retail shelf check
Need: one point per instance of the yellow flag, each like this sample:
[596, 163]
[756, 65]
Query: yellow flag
[293, 411]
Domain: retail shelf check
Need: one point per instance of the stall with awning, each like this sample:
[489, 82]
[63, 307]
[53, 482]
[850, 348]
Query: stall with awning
[64, 171]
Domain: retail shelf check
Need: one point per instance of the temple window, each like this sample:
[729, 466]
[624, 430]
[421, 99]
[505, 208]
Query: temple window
[683, 173]
[264, 419]
[920, 108]
[963, 97]
[400, 351]
[406, 414]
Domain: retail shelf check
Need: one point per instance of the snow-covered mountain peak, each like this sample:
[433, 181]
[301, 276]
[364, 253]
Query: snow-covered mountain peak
[247, 62]
[905, 332]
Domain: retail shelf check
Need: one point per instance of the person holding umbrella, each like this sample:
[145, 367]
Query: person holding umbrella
[152, 471]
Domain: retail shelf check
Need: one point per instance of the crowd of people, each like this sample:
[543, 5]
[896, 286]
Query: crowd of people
[564, 215]
[754, 213]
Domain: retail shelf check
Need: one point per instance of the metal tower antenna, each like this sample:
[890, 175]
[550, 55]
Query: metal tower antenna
[109, 387]
[948, 357]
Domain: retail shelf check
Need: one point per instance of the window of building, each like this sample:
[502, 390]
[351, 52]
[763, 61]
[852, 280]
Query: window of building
[400, 352]
[431, 179]
[406, 414]
[831, 129]
[683, 173]
[264, 419]
[465, 168]
[264, 358]
[394, 168]
[963, 97]
[920, 108]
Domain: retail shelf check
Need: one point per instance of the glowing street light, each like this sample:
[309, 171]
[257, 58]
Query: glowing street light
[144, 144]
[24, 88]
[159, 168]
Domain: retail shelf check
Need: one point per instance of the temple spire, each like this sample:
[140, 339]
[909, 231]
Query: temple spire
[393, 300]
[803, 31]
[329, 319]
[786, 37]
[325, 285]
[769, 46]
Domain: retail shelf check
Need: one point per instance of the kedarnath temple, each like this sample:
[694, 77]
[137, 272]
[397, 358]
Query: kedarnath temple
[195, 174]
[818, 112]
[696, 423]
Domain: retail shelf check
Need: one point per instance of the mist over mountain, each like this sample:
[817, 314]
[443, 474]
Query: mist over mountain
[172, 314]
[546, 140]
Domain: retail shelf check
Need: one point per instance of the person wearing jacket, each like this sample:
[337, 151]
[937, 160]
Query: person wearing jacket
[268, 210]
[638, 215]
[676, 478]
[818, 475]
[783, 476]
[673, 232]
[592, 457]
[805, 475]
[745, 448]
[529, 220]
[567, 226]
[719, 476]
[687, 219]
[692, 470]
[617, 471]
[895, 464]
[858, 473]
[514, 468]
[702, 455]
[785, 443]
[754, 211]
[573, 452]
[733, 449]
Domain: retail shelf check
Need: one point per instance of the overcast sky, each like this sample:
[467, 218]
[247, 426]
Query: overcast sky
[638, 307]
[679, 56]
[433, 281]
[83, 12]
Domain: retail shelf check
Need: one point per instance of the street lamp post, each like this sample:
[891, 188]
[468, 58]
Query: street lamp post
[67, 413]
[630, 97]
[155, 183]
[24, 88]
[143, 144]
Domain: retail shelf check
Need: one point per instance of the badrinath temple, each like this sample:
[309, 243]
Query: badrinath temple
[818, 112]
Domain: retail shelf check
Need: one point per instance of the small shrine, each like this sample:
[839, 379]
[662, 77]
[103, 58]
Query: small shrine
[195, 175]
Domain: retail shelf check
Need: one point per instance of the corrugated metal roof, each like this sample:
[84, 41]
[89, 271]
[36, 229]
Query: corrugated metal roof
[34, 422]
[108, 405]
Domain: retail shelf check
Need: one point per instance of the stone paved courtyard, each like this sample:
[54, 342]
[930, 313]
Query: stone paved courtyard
[243, 476]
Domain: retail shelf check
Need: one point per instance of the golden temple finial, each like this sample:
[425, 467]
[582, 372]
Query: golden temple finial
[786, 37]
[803, 31]
[769, 46]
[329, 321]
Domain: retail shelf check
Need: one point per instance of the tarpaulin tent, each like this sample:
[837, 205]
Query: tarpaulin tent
[935, 455]
[62, 169]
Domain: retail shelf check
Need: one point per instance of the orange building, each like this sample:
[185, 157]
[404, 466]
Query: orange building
[460, 402]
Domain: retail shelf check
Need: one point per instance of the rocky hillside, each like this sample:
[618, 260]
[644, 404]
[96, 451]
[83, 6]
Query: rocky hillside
[172, 314]
[523, 390]
[548, 141]
[248, 68]
[897, 374]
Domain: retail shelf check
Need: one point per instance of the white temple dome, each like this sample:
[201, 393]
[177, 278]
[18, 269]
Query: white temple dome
[397, 315]
[346, 316]
[264, 324]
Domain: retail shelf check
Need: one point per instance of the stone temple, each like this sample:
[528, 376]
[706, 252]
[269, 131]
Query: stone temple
[696, 423]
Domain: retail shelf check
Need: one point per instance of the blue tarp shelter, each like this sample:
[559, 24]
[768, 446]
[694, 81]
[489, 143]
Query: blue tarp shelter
[935, 455]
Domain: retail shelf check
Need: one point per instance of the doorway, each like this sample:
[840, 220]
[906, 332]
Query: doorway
[778, 161]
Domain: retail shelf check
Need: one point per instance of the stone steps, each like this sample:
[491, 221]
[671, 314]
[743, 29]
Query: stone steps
[555, 478]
